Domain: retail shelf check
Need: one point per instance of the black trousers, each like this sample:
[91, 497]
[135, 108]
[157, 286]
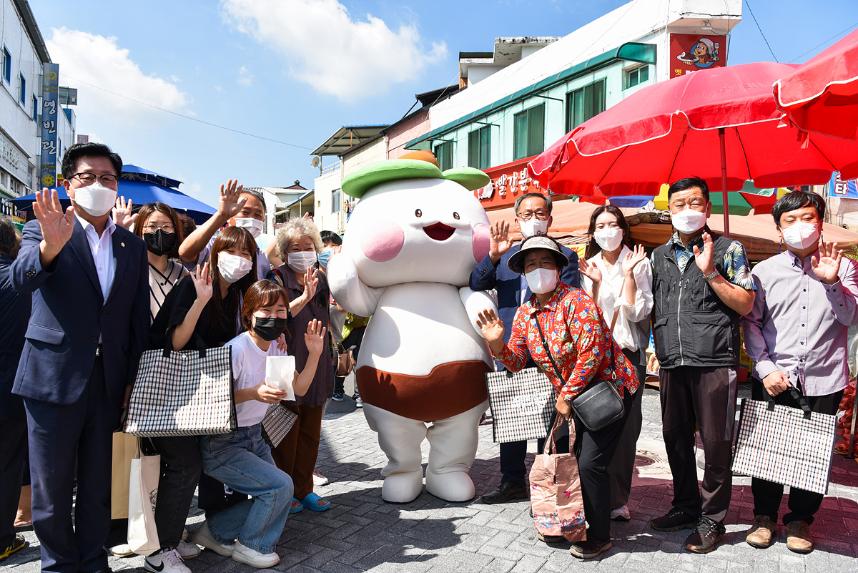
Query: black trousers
[73, 443]
[702, 400]
[13, 451]
[180, 472]
[622, 466]
[594, 451]
[354, 338]
[767, 495]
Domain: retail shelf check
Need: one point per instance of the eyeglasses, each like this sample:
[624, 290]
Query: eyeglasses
[89, 178]
[167, 228]
[540, 214]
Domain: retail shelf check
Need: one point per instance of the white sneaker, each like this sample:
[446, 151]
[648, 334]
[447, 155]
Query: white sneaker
[121, 550]
[203, 536]
[248, 556]
[319, 479]
[621, 513]
[188, 550]
[165, 562]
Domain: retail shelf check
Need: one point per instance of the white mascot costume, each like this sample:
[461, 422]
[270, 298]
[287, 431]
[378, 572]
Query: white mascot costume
[409, 248]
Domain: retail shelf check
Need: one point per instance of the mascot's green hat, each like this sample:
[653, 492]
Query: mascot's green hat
[417, 165]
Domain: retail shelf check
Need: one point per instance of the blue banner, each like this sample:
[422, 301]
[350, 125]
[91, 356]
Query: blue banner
[843, 189]
[50, 122]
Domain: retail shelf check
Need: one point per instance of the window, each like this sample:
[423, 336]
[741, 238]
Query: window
[635, 77]
[444, 153]
[480, 148]
[35, 108]
[529, 132]
[22, 89]
[336, 200]
[584, 103]
[7, 65]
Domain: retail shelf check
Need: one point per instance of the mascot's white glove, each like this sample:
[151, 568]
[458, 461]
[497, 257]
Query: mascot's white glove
[477, 301]
[348, 290]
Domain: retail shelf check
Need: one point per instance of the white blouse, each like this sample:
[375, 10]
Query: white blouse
[631, 331]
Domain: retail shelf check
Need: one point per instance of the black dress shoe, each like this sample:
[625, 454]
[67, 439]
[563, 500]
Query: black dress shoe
[705, 537]
[505, 493]
[674, 520]
[589, 549]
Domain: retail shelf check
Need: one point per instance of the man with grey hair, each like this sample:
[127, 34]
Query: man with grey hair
[532, 217]
[238, 207]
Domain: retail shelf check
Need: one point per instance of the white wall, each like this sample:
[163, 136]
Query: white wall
[324, 186]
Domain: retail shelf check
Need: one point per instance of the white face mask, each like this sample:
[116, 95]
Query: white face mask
[254, 226]
[233, 268]
[542, 281]
[533, 226]
[301, 260]
[688, 221]
[608, 238]
[95, 199]
[801, 235]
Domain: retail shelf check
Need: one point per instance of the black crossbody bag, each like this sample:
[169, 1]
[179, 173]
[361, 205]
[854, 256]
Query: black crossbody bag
[599, 404]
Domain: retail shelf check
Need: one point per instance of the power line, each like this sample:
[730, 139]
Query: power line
[766, 40]
[190, 117]
[827, 40]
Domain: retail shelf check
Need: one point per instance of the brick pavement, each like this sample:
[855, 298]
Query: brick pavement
[362, 533]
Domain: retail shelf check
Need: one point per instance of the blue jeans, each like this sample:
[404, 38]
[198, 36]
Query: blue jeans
[242, 461]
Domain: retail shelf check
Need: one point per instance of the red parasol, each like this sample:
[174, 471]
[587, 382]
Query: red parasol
[720, 124]
[822, 94]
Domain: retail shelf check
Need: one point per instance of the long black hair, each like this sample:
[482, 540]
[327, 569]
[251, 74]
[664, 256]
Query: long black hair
[593, 247]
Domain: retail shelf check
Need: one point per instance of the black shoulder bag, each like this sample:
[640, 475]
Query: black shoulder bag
[599, 404]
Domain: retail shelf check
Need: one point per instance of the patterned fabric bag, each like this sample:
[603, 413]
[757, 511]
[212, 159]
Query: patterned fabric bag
[785, 445]
[522, 404]
[186, 393]
[555, 491]
[277, 422]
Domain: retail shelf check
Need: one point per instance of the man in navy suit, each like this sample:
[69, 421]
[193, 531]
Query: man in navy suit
[532, 217]
[90, 316]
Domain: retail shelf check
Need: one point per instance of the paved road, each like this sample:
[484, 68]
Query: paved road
[362, 533]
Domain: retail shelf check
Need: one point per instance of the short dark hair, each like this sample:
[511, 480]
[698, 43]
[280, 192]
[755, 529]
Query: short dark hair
[331, 237]
[8, 238]
[686, 184]
[546, 198]
[74, 153]
[797, 200]
[146, 211]
[253, 192]
[261, 294]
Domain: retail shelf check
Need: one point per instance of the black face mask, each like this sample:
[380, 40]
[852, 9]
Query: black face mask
[269, 328]
[160, 242]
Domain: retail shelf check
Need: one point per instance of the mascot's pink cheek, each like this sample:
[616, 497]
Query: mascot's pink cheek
[481, 242]
[385, 241]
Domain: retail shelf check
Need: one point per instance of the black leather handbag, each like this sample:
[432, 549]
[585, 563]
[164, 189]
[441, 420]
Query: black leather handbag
[599, 405]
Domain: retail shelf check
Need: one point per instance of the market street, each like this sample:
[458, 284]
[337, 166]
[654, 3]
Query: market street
[362, 533]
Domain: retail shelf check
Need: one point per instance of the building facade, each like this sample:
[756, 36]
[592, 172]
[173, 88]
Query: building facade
[505, 118]
[25, 68]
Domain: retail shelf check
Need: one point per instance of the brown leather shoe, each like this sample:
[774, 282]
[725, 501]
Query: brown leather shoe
[799, 539]
[762, 533]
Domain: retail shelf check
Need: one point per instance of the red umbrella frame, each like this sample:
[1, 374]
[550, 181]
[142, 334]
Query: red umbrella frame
[720, 124]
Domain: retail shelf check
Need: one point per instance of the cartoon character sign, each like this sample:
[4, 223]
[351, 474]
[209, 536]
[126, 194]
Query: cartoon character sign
[690, 52]
[408, 251]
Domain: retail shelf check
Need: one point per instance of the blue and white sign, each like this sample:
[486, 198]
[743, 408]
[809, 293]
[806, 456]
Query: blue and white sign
[49, 121]
[843, 189]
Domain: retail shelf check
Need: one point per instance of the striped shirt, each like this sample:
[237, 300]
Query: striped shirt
[160, 285]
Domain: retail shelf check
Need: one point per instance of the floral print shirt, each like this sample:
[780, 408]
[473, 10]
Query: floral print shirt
[580, 342]
[735, 262]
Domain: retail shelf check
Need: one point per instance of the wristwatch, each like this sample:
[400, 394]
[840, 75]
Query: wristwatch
[712, 275]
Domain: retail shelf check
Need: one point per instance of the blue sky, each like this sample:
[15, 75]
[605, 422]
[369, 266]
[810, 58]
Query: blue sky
[296, 80]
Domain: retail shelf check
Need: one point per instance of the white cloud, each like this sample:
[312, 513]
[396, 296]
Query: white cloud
[245, 76]
[103, 73]
[332, 52]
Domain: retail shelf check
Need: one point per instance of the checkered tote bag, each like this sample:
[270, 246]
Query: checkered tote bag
[186, 393]
[277, 422]
[522, 404]
[785, 445]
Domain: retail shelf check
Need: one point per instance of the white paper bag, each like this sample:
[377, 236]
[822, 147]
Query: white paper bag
[279, 373]
[142, 497]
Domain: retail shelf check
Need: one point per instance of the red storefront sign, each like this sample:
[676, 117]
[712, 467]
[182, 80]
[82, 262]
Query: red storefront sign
[508, 182]
[692, 52]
